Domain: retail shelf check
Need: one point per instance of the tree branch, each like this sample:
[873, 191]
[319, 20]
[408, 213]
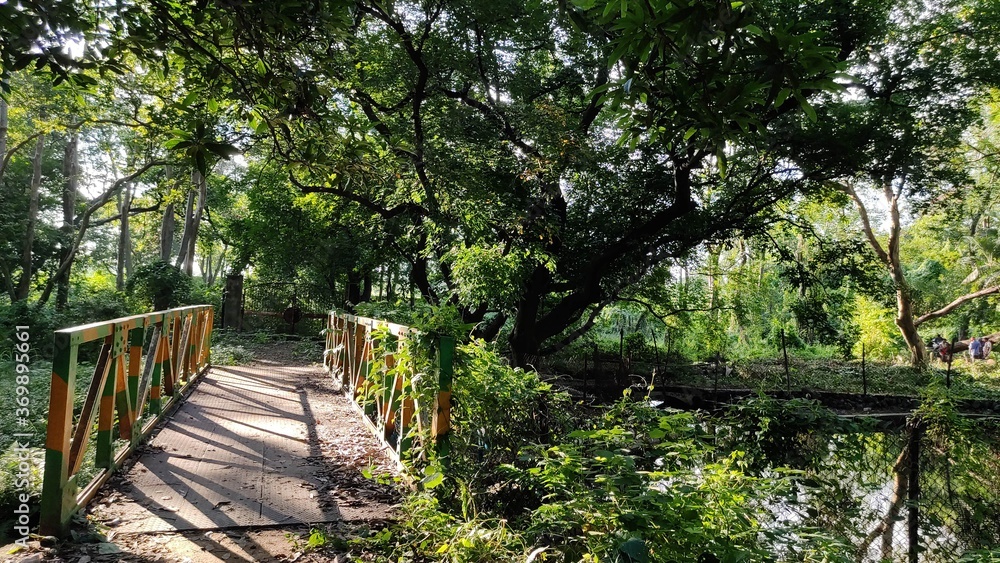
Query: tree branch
[85, 223]
[956, 303]
[17, 147]
[131, 213]
[865, 222]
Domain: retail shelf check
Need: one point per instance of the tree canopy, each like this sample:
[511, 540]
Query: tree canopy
[531, 163]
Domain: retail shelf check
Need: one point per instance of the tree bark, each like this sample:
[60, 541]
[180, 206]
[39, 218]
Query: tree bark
[192, 221]
[24, 284]
[182, 251]
[889, 256]
[124, 241]
[167, 226]
[4, 120]
[70, 186]
[167, 233]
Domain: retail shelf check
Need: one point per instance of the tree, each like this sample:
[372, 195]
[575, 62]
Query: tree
[899, 131]
[497, 124]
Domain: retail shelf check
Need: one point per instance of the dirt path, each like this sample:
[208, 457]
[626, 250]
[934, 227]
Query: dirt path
[130, 518]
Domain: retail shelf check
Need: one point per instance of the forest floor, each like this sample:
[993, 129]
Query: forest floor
[347, 449]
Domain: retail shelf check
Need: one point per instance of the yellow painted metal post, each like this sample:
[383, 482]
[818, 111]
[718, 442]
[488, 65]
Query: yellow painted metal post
[206, 355]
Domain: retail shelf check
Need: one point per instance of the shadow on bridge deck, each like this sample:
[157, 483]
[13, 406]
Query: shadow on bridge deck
[242, 451]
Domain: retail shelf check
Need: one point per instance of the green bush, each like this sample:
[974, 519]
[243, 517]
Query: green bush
[161, 285]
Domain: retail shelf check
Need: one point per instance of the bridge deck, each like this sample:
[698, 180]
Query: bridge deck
[246, 449]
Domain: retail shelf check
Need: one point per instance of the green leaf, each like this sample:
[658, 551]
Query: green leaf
[225, 150]
[807, 107]
[636, 550]
[177, 144]
[432, 480]
[781, 97]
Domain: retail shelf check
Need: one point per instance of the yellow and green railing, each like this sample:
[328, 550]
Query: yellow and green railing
[399, 378]
[145, 364]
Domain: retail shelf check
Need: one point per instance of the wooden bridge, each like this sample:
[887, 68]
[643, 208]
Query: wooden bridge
[216, 447]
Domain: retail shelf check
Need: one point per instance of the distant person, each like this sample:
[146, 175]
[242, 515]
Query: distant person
[976, 349]
[939, 347]
[987, 347]
[945, 351]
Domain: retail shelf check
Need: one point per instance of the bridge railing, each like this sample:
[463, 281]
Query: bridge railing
[144, 365]
[403, 393]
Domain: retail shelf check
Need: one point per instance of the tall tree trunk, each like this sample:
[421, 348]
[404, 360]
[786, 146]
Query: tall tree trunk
[524, 341]
[202, 184]
[3, 134]
[218, 267]
[167, 233]
[366, 292]
[188, 216]
[124, 241]
[24, 284]
[206, 268]
[167, 226]
[889, 256]
[192, 216]
[353, 289]
[71, 171]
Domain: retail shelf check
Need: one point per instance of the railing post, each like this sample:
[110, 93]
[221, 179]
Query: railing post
[441, 417]
[58, 497]
[104, 455]
[135, 339]
[350, 344]
[343, 339]
[123, 400]
[161, 347]
[209, 329]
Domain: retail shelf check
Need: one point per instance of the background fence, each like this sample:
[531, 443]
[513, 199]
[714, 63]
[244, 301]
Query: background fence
[272, 306]
[926, 491]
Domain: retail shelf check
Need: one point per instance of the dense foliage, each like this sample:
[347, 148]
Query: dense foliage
[562, 184]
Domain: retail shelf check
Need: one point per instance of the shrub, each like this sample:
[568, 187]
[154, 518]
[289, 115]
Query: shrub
[161, 284]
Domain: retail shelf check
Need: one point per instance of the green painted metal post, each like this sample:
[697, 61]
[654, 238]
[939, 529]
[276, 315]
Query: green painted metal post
[58, 496]
[441, 418]
[159, 349]
[135, 339]
[105, 454]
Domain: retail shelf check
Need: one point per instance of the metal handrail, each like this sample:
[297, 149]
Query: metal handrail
[133, 375]
[393, 412]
